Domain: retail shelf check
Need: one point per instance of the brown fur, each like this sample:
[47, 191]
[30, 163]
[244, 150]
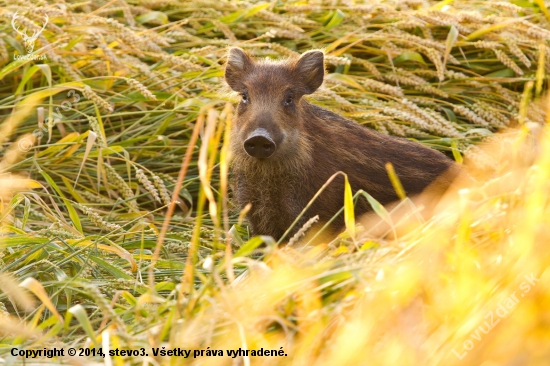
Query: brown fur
[312, 145]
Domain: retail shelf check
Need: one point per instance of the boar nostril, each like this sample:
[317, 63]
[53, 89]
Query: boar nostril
[260, 147]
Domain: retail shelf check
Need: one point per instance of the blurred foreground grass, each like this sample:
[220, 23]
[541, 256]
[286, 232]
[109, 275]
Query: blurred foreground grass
[92, 140]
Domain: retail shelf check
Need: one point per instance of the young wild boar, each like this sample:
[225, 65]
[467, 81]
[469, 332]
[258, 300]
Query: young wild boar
[283, 149]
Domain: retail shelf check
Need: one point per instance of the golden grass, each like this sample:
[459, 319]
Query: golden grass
[470, 285]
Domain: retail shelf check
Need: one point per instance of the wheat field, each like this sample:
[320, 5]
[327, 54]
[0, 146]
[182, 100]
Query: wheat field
[118, 236]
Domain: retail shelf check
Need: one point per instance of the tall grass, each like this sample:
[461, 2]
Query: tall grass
[128, 113]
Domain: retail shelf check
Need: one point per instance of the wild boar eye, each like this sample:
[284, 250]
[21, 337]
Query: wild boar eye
[245, 98]
[288, 100]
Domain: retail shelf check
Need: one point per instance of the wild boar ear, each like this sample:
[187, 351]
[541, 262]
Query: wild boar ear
[238, 65]
[310, 70]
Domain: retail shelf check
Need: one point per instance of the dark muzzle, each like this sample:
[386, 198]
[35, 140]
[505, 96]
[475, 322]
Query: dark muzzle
[259, 144]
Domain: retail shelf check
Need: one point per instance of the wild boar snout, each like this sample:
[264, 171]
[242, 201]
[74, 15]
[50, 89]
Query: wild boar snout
[259, 144]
